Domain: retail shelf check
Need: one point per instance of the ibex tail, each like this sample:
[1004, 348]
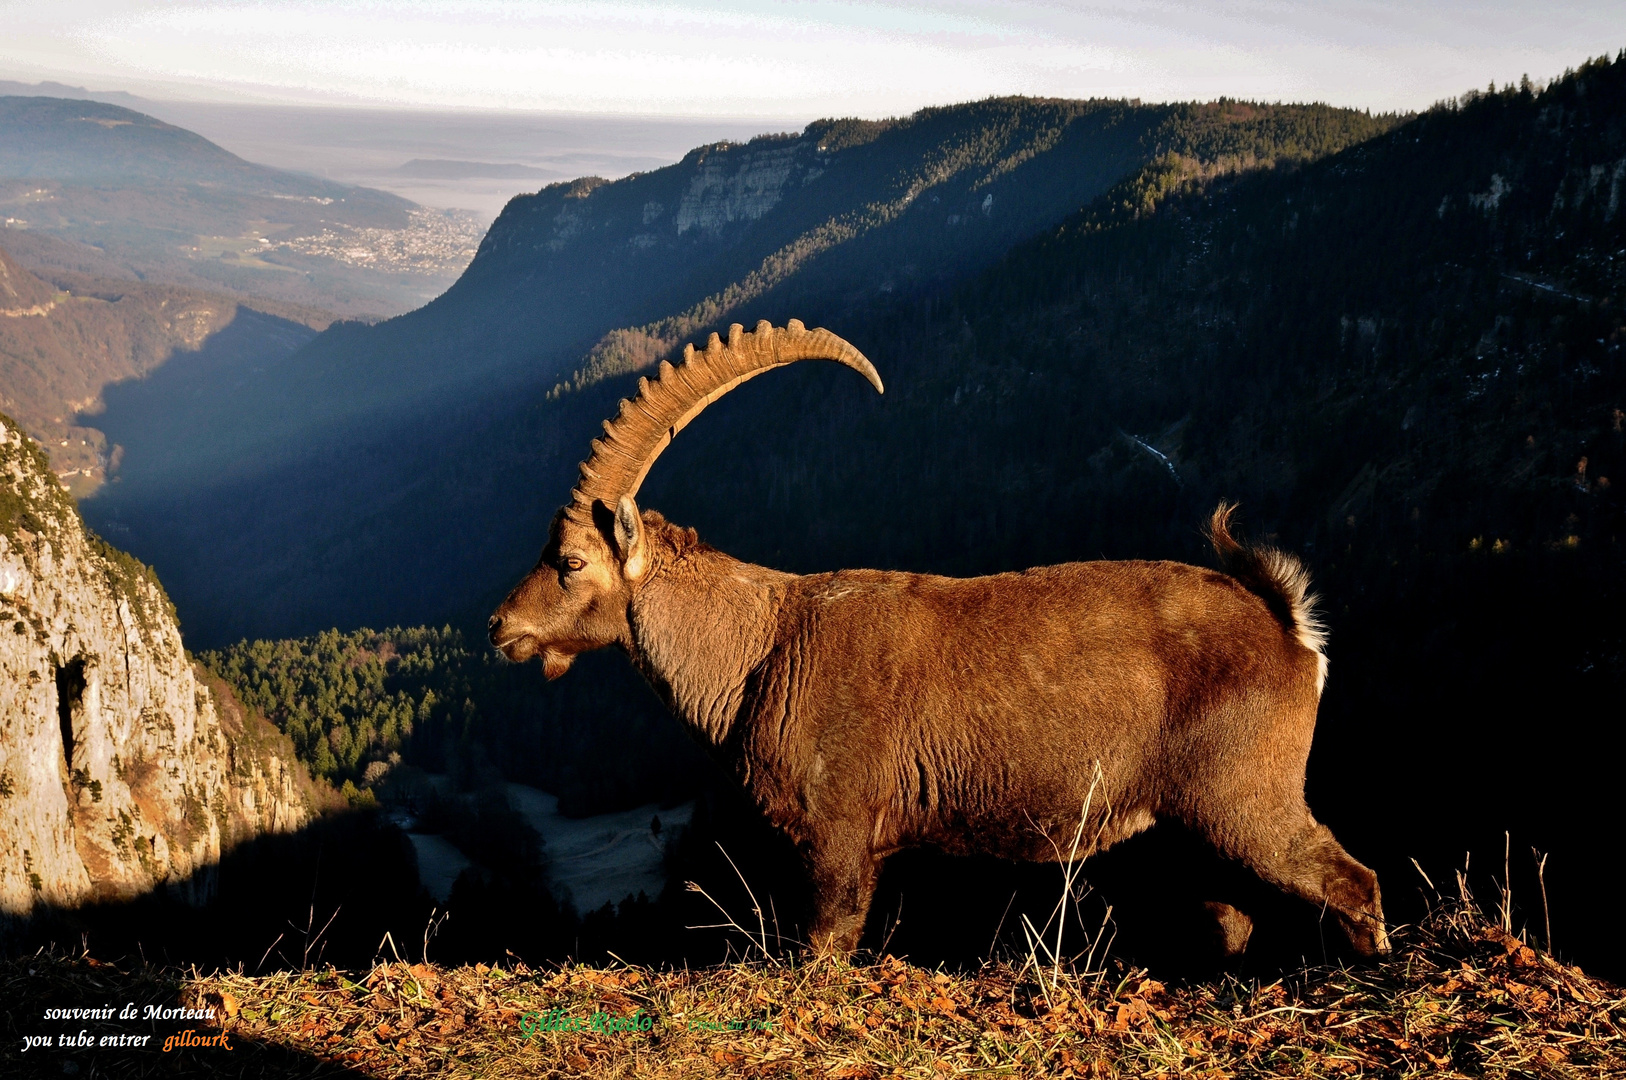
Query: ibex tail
[1276, 577]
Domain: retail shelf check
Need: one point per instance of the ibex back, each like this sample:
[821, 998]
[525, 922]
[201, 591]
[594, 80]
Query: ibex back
[866, 712]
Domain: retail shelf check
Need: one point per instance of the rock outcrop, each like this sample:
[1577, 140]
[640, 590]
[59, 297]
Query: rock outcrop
[118, 772]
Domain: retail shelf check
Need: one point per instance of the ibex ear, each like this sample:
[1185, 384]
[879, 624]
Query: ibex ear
[629, 539]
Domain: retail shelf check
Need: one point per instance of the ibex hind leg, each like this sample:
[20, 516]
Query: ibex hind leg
[1303, 858]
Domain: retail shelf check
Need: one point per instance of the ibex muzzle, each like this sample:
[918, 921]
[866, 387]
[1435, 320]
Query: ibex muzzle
[866, 712]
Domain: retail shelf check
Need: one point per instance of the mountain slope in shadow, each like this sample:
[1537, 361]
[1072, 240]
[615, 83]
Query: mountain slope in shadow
[65, 342]
[388, 472]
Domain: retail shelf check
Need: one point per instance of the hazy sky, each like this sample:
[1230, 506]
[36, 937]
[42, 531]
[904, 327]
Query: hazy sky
[795, 59]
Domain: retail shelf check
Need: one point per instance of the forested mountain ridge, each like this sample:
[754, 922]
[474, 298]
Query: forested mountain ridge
[1065, 150]
[840, 211]
[338, 472]
[1242, 329]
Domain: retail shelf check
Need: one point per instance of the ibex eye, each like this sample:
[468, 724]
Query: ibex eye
[573, 563]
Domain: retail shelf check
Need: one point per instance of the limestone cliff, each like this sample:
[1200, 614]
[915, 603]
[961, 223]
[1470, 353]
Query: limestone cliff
[118, 773]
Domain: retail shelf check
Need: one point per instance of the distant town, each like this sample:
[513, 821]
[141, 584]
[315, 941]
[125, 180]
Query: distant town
[436, 242]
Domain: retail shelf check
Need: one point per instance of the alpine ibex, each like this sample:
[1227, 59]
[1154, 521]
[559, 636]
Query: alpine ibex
[866, 711]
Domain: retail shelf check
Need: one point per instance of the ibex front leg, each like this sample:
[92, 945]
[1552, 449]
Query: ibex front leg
[843, 871]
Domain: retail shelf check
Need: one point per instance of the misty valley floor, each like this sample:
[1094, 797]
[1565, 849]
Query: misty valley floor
[1460, 997]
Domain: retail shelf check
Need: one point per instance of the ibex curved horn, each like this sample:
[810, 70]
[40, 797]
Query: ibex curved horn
[646, 424]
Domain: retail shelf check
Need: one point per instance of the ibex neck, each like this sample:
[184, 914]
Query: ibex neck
[700, 625]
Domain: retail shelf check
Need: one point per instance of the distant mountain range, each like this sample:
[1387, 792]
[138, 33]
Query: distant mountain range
[441, 169]
[85, 142]
[50, 88]
[88, 180]
[586, 281]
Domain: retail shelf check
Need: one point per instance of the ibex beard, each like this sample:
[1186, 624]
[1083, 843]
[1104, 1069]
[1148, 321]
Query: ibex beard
[866, 712]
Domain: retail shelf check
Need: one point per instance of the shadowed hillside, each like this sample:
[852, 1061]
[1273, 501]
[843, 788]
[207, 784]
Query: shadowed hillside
[372, 439]
[64, 343]
[612, 274]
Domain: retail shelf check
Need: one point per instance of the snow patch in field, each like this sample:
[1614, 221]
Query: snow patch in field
[439, 863]
[605, 858]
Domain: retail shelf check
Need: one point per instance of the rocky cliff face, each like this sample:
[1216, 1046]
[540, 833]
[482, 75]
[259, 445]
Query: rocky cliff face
[118, 772]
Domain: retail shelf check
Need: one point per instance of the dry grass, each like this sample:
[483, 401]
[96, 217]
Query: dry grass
[1460, 997]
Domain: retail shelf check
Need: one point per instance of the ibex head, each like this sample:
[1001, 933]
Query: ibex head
[598, 552]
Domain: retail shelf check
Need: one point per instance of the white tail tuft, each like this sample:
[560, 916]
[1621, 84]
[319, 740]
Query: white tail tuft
[1278, 576]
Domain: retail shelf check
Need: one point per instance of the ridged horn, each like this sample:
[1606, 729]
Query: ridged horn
[645, 425]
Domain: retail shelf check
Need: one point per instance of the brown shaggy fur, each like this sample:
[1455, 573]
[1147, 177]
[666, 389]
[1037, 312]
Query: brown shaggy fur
[866, 712]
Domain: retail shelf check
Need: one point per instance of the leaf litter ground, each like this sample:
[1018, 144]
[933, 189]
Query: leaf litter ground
[1460, 998]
